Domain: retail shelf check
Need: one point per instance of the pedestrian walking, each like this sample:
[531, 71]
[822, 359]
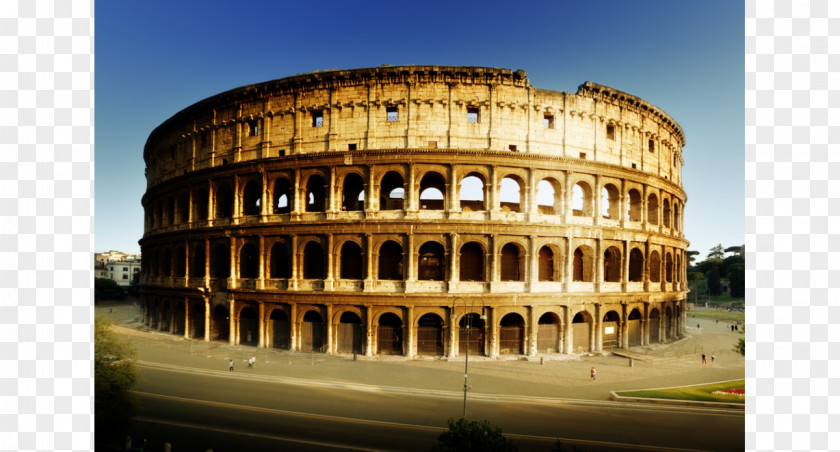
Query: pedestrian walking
[252, 362]
[703, 358]
[698, 326]
[713, 359]
[230, 366]
[592, 374]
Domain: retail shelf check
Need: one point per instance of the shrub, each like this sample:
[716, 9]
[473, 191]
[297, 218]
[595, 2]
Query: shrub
[465, 435]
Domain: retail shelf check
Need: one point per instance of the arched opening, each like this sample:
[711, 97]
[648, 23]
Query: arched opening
[512, 335]
[582, 200]
[676, 216]
[155, 264]
[392, 191]
[431, 262]
[224, 201]
[582, 264]
[220, 325]
[472, 194]
[349, 333]
[610, 328]
[390, 261]
[548, 197]
[471, 334]
[180, 318]
[510, 195]
[248, 328]
[634, 328]
[196, 320]
[184, 208]
[610, 201]
[157, 216]
[249, 261]
[653, 209]
[278, 325]
[181, 262]
[351, 261]
[313, 261]
[198, 262]
[669, 268]
[666, 213]
[201, 201]
[548, 333]
[654, 264]
[312, 332]
[653, 326]
[430, 335]
[279, 264]
[668, 319]
[472, 262]
[282, 196]
[353, 187]
[634, 205]
[612, 265]
[389, 335]
[637, 265]
[512, 263]
[432, 189]
[316, 194]
[170, 211]
[220, 261]
[166, 264]
[582, 332]
[252, 198]
[546, 264]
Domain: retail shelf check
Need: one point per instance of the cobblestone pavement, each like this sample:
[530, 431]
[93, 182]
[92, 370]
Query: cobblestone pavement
[553, 376]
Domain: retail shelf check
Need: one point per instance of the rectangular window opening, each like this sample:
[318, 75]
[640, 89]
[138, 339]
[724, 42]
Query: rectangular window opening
[611, 132]
[512, 148]
[317, 119]
[650, 145]
[393, 116]
[583, 155]
[433, 145]
[351, 147]
[472, 115]
[281, 152]
[253, 128]
[634, 166]
[548, 121]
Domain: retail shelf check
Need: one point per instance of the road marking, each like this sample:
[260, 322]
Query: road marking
[377, 423]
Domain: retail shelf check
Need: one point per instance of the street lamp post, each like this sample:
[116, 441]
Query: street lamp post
[469, 336]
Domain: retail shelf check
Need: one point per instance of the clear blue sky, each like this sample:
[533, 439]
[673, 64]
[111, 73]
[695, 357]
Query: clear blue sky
[153, 58]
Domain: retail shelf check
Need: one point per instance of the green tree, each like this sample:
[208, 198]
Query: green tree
[736, 281]
[713, 282]
[740, 346]
[114, 376]
[691, 255]
[134, 286]
[695, 276]
[107, 289]
[729, 263]
[716, 252]
[465, 435]
[733, 249]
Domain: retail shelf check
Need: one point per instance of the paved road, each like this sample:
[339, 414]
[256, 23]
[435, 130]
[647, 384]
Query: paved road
[379, 403]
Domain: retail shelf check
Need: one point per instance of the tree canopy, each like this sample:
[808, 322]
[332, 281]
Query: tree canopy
[716, 252]
[465, 435]
[114, 376]
[107, 289]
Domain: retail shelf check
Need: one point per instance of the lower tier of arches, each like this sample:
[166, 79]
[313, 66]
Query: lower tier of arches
[468, 325]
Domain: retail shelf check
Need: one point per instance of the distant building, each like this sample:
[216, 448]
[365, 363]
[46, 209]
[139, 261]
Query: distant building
[100, 270]
[123, 271]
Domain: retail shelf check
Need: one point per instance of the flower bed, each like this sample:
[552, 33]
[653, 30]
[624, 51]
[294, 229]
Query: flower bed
[740, 393]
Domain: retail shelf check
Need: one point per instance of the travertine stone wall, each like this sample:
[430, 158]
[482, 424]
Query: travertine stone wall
[298, 214]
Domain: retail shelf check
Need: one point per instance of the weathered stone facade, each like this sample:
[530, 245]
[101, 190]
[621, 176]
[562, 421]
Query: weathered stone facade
[382, 210]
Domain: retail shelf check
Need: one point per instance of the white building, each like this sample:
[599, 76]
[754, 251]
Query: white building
[123, 271]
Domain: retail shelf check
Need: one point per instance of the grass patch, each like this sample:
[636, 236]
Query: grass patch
[701, 393]
[714, 315]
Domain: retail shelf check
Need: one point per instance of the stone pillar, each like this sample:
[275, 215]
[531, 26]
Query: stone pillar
[533, 259]
[493, 335]
[261, 325]
[234, 270]
[186, 318]
[264, 204]
[453, 189]
[236, 201]
[596, 197]
[533, 330]
[625, 265]
[599, 265]
[206, 318]
[369, 331]
[331, 207]
[206, 262]
[211, 198]
[454, 274]
[295, 255]
[453, 334]
[411, 191]
[186, 263]
[369, 263]
[261, 280]
[293, 328]
[598, 342]
[330, 336]
[625, 340]
[233, 337]
[531, 206]
[493, 264]
[570, 265]
[567, 330]
[411, 346]
[329, 280]
[411, 267]
[492, 191]
[645, 324]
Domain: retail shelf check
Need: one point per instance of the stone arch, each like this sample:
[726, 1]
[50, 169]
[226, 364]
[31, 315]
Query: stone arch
[220, 261]
[634, 205]
[169, 217]
[391, 261]
[349, 332]
[582, 332]
[314, 261]
[653, 209]
[224, 200]
[317, 197]
[512, 262]
[198, 261]
[201, 200]
[351, 261]
[610, 202]
[549, 196]
[471, 262]
[634, 328]
[549, 333]
[166, 263]
[677, 226]
[583, 264]
[431, 262]
[279, 261]
[220, 324]
[610, 327]
[155, 263]
[389, 334]
[582, 202]
[184, 207]
[548, 264]
[195, 323]
[637, 265]
[282, 197]
[471, 336]
[473, 192]
[248, 326]
[612, 264]
[666, 213]
[180, 262]
[352, 189]
[430, 335]
[654, 264]
[252, 198]
[392, 191]
[653, 326]
[312, 331]
[511, 193]
[432, 191]
[249, 261]
[279, 329]
[512, 334]
[669, 268]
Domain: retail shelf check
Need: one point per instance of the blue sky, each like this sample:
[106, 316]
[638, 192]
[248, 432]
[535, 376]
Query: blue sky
[155, 58]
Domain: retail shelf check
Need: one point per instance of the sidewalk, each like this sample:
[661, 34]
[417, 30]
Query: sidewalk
[558, 376]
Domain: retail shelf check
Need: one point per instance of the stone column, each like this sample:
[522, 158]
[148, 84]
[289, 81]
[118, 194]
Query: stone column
[599, 266]
[294, 276]
[261, 325]
[533, 259]
[264, 204]
[596, 197]
[492, 190]
[369, 331]
[411, 267]
[453, 334]
[454, 274]
[186, 318]
[570, 265]
[492, 337]
[233, 337]
[411, 192]
[369, 263]
[625, 266]
[211, 198]
[533, 330]
[261, 280]
[531, 206]
[453, 188]
[186, 263]
[567, 330]
[411, 346]
[234, 271]
[293, 328]
[206, 318]
[645, 324]
[206, 262]
[236, 201]
[330, 336]
[331, 207]
[329, 280]
[625, 330]
[598, 340]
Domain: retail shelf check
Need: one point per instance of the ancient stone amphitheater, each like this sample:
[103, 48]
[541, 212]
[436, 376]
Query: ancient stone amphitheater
[416, 211]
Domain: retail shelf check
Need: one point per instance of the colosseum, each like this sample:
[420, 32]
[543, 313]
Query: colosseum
[422, 211]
